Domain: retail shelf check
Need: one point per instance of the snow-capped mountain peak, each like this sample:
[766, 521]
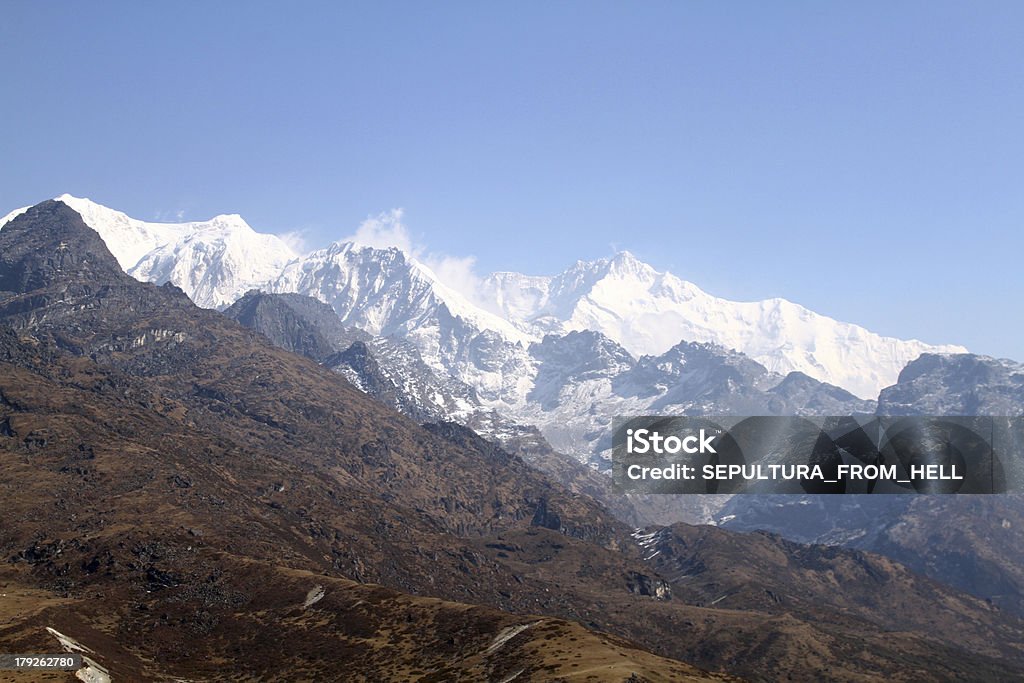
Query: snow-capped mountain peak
[384, 291]
[213, 261]
[217, 262]
[625, 264]
[127, 238]
[648, 312]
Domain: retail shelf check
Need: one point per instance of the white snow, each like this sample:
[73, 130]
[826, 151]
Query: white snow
[217, 262]
[315, 595]
[68, 643]
[507, 634]
[91, 672]
[12, 215]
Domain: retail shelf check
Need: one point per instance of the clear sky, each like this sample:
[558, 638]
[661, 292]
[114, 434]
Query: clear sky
[865, 159]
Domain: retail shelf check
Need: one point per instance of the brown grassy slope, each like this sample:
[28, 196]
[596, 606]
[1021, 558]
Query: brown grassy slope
[354, 632]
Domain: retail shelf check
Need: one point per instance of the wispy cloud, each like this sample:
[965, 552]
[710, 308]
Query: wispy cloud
[296, 240]
[169, 216]
[384, 230]
[387, 229]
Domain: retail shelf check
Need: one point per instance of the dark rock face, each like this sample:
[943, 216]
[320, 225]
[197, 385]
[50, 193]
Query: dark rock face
[575, 357]
[298, 323]
[690, 377]
[715, 380]
[958, 384]
[50, 244]
[467, 438]
[360, 365]
[390, 371]
[815, 398]
[358, 357]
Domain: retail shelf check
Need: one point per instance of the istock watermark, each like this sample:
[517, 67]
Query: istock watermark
[838, 454]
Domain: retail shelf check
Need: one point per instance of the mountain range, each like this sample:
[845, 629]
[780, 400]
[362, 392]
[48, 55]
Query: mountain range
[387, 292]
[185, 499]
[564, 354]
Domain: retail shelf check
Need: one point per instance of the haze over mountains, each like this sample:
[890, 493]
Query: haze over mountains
[387, 292]
[183, 496]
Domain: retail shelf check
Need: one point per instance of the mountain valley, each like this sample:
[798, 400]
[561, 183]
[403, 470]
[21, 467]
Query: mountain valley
[183, 492]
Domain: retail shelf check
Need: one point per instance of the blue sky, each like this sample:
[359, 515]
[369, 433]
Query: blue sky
[863, 159]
